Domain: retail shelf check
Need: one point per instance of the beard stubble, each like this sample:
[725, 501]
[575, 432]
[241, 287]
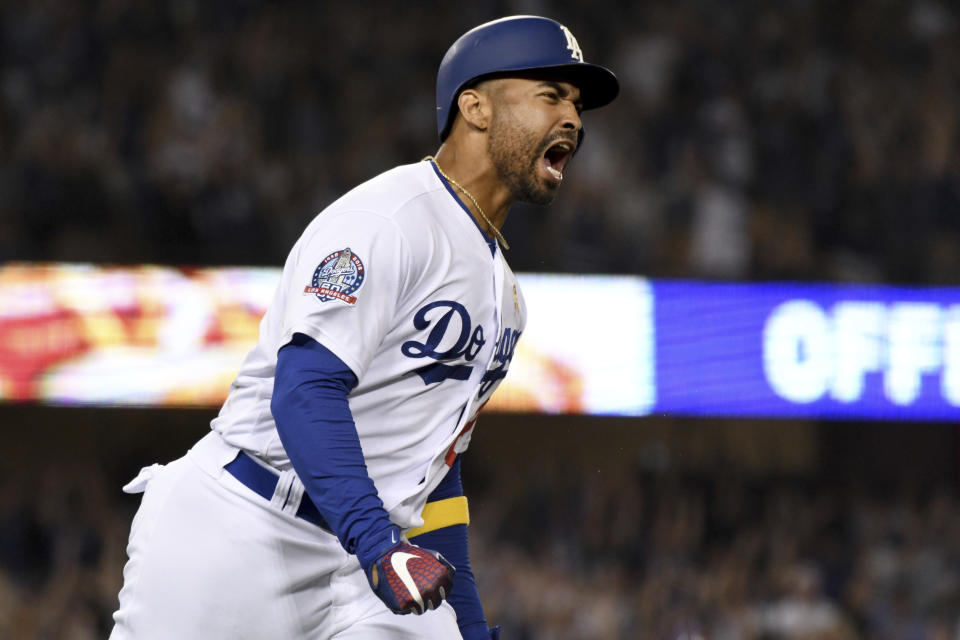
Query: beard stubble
[513, 150]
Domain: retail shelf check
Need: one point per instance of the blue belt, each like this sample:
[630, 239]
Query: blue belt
[262, 482]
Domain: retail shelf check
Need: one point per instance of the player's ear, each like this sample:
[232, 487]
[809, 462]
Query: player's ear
[476, 108]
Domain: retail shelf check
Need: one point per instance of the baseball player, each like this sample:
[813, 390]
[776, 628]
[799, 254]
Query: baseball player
[327, 497]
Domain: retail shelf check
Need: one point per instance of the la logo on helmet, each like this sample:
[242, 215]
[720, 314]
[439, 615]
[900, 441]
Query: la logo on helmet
[572, 45]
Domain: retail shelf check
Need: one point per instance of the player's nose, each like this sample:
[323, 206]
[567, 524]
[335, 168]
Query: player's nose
[571, 117]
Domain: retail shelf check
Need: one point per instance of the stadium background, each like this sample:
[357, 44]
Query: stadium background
[806, 141]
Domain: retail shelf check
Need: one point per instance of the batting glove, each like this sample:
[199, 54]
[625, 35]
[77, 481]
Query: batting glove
[410, 579]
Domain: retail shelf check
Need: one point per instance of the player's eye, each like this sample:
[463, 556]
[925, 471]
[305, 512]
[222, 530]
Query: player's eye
[551, 95]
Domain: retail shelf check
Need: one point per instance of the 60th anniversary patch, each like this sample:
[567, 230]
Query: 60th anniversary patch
[338, 276]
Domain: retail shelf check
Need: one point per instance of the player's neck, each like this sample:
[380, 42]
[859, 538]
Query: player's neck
[476, 174]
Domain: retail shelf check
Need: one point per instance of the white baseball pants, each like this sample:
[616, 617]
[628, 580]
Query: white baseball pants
[210, 559]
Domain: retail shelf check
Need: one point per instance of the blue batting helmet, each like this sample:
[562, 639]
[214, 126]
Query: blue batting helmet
[518, 43]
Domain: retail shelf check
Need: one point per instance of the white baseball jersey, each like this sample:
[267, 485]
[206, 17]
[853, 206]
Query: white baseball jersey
[398, 281]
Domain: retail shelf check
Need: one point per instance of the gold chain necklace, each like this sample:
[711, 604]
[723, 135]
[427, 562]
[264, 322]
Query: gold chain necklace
[493, 228]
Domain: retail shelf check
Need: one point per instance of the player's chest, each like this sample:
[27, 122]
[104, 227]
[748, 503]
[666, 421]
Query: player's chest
[462, 327]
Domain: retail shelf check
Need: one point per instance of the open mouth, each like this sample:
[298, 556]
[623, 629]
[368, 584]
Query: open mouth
[556, 157]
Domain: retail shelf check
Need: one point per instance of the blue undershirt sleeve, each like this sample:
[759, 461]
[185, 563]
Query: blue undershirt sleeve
[452, 543]
[451, 486]
[310, 407]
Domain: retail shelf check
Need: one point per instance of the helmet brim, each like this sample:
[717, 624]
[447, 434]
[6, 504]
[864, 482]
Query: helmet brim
[598, 85]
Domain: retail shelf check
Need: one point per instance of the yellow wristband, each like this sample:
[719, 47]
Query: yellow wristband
[442, 513]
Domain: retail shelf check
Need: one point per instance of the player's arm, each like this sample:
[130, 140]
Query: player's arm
[316, 427]
[447, 503]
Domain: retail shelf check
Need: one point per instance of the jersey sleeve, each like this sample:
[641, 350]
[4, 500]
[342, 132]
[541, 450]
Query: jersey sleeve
[347, 279]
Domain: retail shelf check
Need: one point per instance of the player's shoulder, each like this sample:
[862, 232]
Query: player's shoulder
[401, 189]
[409, 204]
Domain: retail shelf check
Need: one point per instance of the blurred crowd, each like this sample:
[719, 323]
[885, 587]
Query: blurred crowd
[63, 529]
[715, 557]
[569, 556]
[805, 139]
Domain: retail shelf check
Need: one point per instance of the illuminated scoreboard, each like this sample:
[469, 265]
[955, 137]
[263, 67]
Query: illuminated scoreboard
[601, 345]
[832, 351]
